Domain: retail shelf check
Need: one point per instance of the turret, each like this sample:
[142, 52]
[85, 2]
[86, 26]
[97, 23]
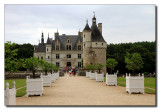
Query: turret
[87, 33]
[48, 50]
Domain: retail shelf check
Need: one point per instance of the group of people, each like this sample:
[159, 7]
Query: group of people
[72, 71]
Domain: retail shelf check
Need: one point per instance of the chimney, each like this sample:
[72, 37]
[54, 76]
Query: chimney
[55, 35]
[100, 27]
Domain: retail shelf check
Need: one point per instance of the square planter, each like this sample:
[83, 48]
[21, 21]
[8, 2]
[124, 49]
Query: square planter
[57, 75]
[100, 77]
[88, 74]
[92, 75]
[135, 84]
[34, 86]
[47, 80]
[111, 79]
[10, 95]
[53, 77]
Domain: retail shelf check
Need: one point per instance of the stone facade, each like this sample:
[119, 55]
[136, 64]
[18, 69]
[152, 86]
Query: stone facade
[70, 50]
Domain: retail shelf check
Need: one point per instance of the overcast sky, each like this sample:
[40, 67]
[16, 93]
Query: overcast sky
[120, 23]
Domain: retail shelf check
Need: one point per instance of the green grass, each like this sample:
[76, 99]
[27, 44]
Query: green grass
[19, 83]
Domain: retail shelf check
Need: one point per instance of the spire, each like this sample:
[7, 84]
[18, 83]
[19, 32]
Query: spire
[94, 19]
[48, 34]
[42, 38]
[87, 26]
[57, 30]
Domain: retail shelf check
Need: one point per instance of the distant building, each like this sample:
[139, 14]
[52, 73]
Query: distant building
[70, 50]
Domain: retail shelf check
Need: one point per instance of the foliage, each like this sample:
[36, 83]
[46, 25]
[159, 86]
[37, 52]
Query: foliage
[111, 63]
[133, 61]
[55, 68]
[147, 51]
[99, 67]
[46, 67]
[90, 67]
[32, 64]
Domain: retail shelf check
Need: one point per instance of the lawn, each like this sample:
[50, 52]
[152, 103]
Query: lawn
[19, 83]
[149, 84]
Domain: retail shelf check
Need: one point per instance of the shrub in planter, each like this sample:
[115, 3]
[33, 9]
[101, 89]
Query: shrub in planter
[134, 83]
[111, 79]
[10, 95]
[88, 68]
[93, 73]
[99, 74]
[56, 72]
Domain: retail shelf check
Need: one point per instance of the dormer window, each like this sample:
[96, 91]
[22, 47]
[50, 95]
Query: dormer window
[79, 47]
[68, 40]
[68, 47]
[57, 47]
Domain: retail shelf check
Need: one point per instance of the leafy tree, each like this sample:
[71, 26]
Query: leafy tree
[55, 68]
[32, 64]
[46, 67]
[11, 63]
[99, 67]
[133, 61]
[111, 63]
[88, 67]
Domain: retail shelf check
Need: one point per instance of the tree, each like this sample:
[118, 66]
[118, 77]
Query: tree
[133, 62]
[99, 67]
[46, 67]
[32, 64]
[55, 68]
[111, 63]
[11, 63]
[88, 67]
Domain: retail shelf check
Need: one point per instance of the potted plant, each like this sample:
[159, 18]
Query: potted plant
[134, 83]
[111, 79]
[34, 86]
[99, 73]
[93, 73]
[46, 67]
[88, 68]
[56, 73]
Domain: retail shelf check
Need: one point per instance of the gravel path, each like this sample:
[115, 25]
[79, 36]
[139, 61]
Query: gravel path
[83, 91]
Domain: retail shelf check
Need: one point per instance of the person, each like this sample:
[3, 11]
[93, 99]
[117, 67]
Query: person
[77, 72]
[65, 69]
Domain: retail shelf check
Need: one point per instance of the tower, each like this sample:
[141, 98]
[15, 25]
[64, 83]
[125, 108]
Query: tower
[86, 44]
[94, 45]
[48, 50]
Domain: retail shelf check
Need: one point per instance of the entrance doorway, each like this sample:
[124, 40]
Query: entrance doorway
[68, 63]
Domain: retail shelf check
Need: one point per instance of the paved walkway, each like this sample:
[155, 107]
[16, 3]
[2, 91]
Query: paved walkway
[83, 91]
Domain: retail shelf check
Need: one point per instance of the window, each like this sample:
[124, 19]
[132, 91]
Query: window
[69, 56]
[68, 41]
[48, 57]
[68, 47]
[47, 49]
[57, 56]
[38, 57]
[57, 63]
[84, 35]
[57, 47]
[79, 55]
[41, 57]
[102, 43]
[84, 45]
[79, 64]
[96, 43]
[79, 47]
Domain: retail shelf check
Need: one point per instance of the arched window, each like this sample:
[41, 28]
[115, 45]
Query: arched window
[68, 41]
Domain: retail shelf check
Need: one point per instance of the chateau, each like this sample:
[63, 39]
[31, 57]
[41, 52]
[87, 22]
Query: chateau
[88, 47]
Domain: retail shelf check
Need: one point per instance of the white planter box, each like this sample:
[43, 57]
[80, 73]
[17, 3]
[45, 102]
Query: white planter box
[111, 79]
[53, 77]
[34, 86]
[10, 95]
[135, 84]
[47, 80]
[100, 77]
[57, 75]
[88, 74]
[92, 75]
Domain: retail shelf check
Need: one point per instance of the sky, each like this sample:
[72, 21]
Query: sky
[120, 23]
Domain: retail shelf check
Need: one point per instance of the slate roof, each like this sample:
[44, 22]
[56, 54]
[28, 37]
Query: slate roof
[86, 27]
[96, 34]
[41, 47]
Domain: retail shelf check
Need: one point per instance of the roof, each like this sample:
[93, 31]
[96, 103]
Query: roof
[41, 47]
[96, 34]
[86, 27]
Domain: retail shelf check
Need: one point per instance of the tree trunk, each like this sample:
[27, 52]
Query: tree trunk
[34, 76]
[111, 70]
